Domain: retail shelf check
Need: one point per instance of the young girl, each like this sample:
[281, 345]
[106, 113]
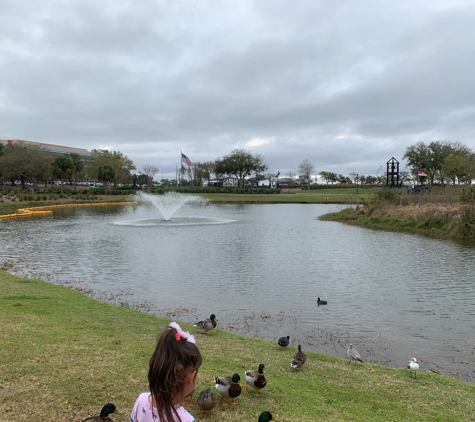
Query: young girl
[172, 376]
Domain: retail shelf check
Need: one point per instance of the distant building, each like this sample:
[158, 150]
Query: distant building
[225, 182]
[56, 150]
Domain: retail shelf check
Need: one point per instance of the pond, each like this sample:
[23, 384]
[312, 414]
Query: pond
[260, 269]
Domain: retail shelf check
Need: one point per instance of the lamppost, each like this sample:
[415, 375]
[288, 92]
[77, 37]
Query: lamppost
[357, 183]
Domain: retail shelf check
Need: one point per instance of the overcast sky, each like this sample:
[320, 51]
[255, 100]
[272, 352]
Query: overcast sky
[345, 84]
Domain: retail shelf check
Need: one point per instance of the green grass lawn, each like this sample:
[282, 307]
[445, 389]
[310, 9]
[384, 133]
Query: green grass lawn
[298, 196]
[64, 355]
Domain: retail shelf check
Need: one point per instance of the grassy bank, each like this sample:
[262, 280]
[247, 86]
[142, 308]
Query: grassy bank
[296, 196]
[9, 204]
[63, 355]
[440, 214]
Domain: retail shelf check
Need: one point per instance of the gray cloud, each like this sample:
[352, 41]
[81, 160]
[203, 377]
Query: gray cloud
[345, 85]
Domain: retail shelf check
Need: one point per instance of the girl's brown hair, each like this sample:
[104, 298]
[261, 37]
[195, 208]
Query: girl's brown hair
[171, 361]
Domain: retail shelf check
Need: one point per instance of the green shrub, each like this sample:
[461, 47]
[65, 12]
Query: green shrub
[467, 195]
[467, 221]
[202, 189]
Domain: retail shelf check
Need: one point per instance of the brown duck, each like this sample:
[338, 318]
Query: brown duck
[206, 401]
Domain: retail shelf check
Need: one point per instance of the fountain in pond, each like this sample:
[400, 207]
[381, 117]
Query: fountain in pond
[169, 204]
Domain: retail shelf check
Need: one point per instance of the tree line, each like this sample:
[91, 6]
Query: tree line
[34, 163]
[443, 161]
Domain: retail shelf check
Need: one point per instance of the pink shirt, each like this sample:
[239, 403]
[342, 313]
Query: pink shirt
[144, 412]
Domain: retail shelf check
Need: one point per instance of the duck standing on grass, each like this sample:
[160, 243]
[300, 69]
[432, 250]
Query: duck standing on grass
[207, 324]
[299, 359]
[104, 415]
[266, 417]
[256, 379]
[228, 387]
[413, 366]
[353, 354]
[189, 399]
[206, 401]
[283, 341]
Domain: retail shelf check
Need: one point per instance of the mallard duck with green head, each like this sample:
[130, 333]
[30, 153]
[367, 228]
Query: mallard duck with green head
[266, 417]
[256, 379]
[228, 387]
[104, 415]
[206, 401]
[207, 324]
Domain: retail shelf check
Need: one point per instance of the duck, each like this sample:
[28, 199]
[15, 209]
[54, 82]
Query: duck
[228, 387]
[299, 358]
[104, 415]
[207, 324]
[206, 401]
[283, 341]
[321, 302]
[189, 398]
[413, 366]
[256, 379]
[265, 417]
[353, 354]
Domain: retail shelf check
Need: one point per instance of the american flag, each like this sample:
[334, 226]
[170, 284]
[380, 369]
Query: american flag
[185, 159]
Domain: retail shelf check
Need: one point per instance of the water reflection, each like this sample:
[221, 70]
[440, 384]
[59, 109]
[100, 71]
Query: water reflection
[261, 268]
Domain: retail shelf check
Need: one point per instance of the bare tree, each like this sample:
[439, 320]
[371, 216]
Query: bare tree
[291, 175]
[306, 168]
[150, 171]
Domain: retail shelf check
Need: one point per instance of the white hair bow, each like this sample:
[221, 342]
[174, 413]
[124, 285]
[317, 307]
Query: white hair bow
[182, 334]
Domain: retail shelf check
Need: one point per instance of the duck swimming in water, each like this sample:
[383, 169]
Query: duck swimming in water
[321, 302]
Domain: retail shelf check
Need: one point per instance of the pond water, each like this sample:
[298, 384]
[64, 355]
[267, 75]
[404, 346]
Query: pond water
[260, 269]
